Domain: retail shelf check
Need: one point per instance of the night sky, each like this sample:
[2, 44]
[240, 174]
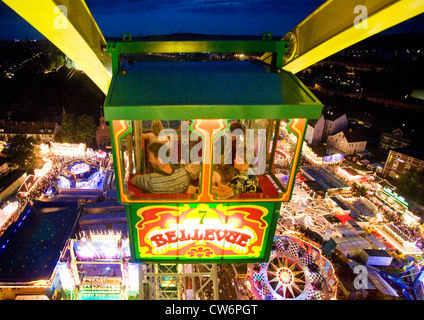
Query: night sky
[219, 17]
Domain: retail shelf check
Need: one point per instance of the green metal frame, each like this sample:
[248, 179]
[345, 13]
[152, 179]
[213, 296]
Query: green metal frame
[289, 110]
[279, 47]
[312, 111]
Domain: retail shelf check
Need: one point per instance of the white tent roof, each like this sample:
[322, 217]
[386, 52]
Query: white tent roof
[299, 203]
[304, 219]
[321, 221]
[284, 213]
[287, 222]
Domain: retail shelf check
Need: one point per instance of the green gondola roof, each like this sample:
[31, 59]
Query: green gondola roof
[207, 90]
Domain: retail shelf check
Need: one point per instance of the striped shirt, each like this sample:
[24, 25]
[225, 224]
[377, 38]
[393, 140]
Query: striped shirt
[160, 182]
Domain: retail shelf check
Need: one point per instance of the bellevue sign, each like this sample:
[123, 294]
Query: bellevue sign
[202, 232]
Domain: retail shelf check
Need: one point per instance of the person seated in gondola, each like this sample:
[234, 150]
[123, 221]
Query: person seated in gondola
[153, 136]
[242, 182]
[222, 190]
[166, 178]
[226, 168]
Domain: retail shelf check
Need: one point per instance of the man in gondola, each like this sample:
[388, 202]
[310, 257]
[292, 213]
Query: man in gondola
[166, 178]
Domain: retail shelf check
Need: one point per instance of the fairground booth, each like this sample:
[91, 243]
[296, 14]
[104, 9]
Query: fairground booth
[214, 116]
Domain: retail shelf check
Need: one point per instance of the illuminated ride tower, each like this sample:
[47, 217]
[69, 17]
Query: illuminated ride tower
[180, 237]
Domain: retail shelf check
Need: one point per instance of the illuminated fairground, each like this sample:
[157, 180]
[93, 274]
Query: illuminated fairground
[295, 270]
[81, 174]
[179, 220]
[67, 149]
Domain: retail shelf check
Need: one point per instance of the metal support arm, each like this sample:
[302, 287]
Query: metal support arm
[338, 24]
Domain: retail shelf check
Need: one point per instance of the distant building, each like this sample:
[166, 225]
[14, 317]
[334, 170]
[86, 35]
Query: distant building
[350, 142]
[10, 183]
[314, 131]
[400, 160]
[362, 119]
[376, 257]
[334, 123]
[43, 132]
[393, 140]
[103, 134]
[4, 167]
[366, 209]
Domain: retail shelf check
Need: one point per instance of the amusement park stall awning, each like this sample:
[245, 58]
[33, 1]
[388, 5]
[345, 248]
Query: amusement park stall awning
[316, 186]
[207, 90]
[343, 218]
[31, 246]
[301, 178]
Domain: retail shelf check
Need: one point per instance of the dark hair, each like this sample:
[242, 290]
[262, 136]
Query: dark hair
[237, 125]
[155, 147]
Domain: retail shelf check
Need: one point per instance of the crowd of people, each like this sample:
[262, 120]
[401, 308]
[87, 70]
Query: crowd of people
[47, 185]
[391, 215]
[414, 232]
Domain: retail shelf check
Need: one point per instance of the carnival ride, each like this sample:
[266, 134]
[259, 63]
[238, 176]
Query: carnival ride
[101, 259]
[80, 174]
[295, 269]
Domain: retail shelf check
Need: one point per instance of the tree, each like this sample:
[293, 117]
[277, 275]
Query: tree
[21, 152]
[359, 190]
[86, 129]
[411, 185]
[68, 128]
[78, 129]
[56, 61]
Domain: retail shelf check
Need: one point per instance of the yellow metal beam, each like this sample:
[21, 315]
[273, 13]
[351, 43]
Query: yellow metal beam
[69, 25]
[338, 24]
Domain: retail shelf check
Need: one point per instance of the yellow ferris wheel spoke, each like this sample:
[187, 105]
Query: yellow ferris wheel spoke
[338, 24]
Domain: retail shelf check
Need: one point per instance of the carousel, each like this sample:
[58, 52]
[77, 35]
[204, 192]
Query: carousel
[80, 174]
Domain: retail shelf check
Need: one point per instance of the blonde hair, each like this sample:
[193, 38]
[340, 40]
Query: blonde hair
[156, 127]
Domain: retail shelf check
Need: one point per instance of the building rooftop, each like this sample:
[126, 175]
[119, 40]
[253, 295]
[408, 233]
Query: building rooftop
[31, 246]
[376, 252]
[414, 152]
[354, 136]
[315, 186]
[15, 127]
[312, 122]
[333, 116]
[10, 178]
